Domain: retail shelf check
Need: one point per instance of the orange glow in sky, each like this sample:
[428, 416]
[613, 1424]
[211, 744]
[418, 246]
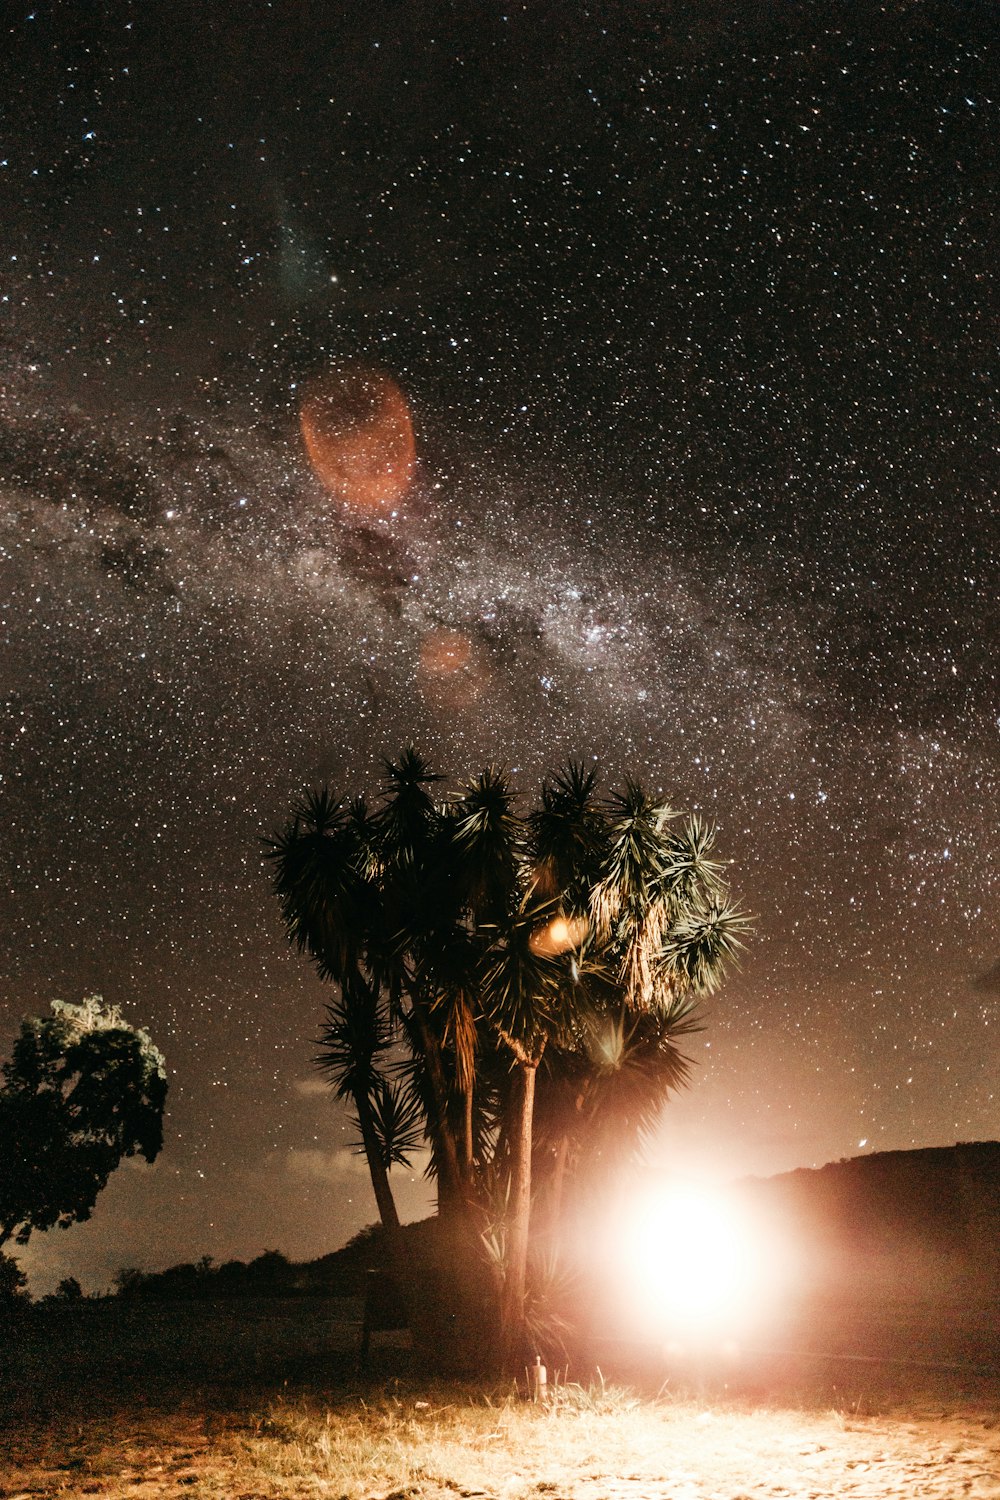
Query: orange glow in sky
[359, 436]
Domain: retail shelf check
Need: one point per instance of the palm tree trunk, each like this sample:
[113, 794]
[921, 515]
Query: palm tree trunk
[376, 1168]
[519, 1215]
[468, 1142]
[447, 1320]
[449, 1170]
[400, 1266]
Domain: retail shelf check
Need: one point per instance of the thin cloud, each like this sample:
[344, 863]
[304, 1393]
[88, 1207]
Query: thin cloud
[310, 1088]
[988, 983]
[313, 1165]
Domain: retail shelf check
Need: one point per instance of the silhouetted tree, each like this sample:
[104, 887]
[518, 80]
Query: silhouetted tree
[129, 1282]
[481, 940]
[82, 1090]
[269, 1272]
[13, 1285]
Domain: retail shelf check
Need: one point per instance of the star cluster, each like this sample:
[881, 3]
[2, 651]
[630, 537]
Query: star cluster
[692, 307]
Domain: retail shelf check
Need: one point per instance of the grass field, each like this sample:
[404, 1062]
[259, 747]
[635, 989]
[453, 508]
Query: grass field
[262, 1400]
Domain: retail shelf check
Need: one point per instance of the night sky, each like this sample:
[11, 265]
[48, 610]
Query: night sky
[692, 308]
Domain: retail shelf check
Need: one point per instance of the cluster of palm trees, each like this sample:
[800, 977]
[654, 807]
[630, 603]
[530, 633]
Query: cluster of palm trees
[511, 988]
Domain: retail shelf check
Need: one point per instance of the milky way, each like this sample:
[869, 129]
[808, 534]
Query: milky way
[692, 316]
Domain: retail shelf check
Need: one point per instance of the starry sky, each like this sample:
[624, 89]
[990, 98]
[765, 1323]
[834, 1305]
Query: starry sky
[691, 305]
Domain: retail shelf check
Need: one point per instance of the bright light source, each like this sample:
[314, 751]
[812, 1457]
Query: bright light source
[558, 936]
[695, 1262]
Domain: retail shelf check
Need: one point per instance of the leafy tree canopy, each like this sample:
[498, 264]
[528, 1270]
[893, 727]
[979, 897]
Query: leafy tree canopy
[81, 1090]
[13, 1285]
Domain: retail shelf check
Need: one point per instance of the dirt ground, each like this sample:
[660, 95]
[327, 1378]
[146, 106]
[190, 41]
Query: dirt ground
[219, 1404]
[698, 1454]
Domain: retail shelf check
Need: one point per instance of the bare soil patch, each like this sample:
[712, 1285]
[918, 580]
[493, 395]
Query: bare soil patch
[223, 1403]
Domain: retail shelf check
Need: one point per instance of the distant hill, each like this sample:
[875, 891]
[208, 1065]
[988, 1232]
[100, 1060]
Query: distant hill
[921, 1219]
[930, 1214]
[342, 1273]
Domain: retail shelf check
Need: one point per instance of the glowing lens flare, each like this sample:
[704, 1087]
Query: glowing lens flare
[357, 431]
[558, 936]
[695, 1259]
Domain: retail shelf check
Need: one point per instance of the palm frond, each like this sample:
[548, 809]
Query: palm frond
[523, 992]
[408, 819]
[411, 1077]
[568, 835]
[461, 1034]
[633, 867]
[703, 941]
[688, 869]
[550, 1305]
[355, 1035]
[488, 838]
[320, 862]
[398, 1120]
[636, 1065]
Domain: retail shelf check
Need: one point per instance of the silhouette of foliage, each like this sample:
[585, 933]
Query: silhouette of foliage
[470, 942]
[13, 1285]
[81, 1090]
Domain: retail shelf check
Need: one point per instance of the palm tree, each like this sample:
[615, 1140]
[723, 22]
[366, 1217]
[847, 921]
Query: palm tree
[357, 894]
[355, 1037]
[469, 943]
[325, 880]
[421, 959]
[525, 998]
[652, 931]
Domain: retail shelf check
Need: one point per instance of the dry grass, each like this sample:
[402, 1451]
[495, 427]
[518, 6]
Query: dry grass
[256, 1425]
[447, 1442]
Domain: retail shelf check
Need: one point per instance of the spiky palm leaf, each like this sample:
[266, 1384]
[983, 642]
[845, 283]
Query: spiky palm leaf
[523, 992]
[411, 1073]
[357, 1033]
[642, 1065]
[597, 1106]
[568, 837]
[688, 871]
[460, 1034]
[399, 1122]
[407, 820]
[630, 910]
[552, 1296]
[322, 884]
[703, 941]
[488, 840]
[633, 865]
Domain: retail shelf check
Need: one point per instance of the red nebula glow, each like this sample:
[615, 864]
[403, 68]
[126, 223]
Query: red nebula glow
[451, 673]
[357, 430]
[443, 652]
